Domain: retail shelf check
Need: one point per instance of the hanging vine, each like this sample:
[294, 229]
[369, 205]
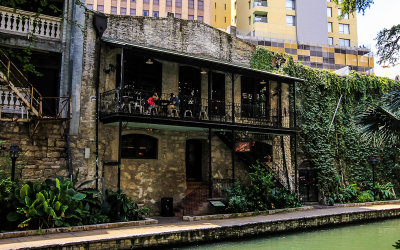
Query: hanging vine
[339, 154]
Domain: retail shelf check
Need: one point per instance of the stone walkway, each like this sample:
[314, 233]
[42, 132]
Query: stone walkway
[168, 226]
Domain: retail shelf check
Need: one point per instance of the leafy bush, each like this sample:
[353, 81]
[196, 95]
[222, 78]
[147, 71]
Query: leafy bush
[384, 192]
[237, 199]
[7, 199]
[120, 205]
[261, 195]
[365, 196]
[51, 204]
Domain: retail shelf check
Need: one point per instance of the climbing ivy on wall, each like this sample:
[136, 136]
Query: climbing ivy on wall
[340, 156]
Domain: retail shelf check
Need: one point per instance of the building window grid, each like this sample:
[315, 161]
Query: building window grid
[100, 8]
[260, 18]
[155, 14]
[168, 3]
[156, 2]
[178, 15]
[190, 17]
[122, 11]
[290, 5]
[344, 42]
[146, 1]
[200, 5]
[89, 6]
[344, 28]
[200, 18]
[178, 3]
[330, 27]
[330, 40]
[346, 16]
[191, 4]
[329, 11]
[113, 10]
[145, 13]
[290, 20]
[132, 12]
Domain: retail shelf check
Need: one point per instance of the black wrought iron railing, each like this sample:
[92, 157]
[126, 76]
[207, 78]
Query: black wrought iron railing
[134, 102]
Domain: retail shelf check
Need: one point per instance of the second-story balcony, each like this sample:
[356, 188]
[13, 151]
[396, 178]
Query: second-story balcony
[28, 24]
[191, 111]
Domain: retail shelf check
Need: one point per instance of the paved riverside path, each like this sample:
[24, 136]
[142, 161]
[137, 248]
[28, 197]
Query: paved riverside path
[171, 226]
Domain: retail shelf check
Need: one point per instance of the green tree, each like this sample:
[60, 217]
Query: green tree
[388, 40]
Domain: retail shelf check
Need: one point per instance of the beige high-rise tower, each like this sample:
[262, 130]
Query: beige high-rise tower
[186, 9]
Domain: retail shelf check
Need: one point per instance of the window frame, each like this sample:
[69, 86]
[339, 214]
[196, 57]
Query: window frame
[344, 28]
[141, 142]
[293, 19]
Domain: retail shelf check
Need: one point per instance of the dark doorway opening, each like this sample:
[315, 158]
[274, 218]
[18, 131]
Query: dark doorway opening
[194, 152]
[261, 151]
[190, 90]
[255, 98]
[218, 94]
[308, 184]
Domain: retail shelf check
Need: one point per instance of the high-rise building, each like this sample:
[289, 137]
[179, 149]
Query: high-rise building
[311, 31]
[186, 9]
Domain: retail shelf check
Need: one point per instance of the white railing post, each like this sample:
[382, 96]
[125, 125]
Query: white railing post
[26, 23]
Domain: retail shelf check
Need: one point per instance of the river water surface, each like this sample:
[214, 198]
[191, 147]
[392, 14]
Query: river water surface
[379, 235]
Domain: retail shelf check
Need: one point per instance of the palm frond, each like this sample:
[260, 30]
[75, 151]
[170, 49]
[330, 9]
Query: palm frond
[380, 125]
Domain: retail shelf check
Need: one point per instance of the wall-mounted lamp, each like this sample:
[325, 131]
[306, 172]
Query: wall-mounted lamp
[149, 62]
[263, 82]
[203, 72]
[110, 68]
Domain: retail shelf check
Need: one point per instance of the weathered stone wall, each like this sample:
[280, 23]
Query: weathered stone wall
[43, 155]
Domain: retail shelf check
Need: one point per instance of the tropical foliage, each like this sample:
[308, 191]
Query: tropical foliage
[339, 153]
[261, 195]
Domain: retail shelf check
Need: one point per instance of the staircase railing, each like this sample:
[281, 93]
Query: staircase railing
[20, 85]
[192, 201]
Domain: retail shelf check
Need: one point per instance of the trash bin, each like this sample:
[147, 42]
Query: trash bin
[167, 206]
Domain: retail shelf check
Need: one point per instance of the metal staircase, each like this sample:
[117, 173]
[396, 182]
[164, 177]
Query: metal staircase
[21, 101]
[17, 93]
[249, 159]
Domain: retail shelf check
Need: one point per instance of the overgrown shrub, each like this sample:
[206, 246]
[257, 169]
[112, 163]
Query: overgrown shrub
[261, 195]
[7, 201]
[120, 207]
[365, 196]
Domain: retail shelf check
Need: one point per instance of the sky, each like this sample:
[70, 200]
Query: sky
[382, 14]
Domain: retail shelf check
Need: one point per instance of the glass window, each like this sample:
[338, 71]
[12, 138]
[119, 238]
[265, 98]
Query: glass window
[225, 7]
[168, 3]
[178, 3]
[146, 1]
[145, 13]
[346, 16]
[200, 5]
[89, 6]
[156, 2]
[329, 27]
[155, 13]
[132, 12]
[344, 42]
[178, 15]
[122, 11]
[114, 10]
[329, 12]
[133, 1]
[290, 20]
[260, 18]
[330, 40]
[137, 146]
[344, 28]
[191, 4]
[290, 4]
[200, 18]
[100, 8]
[225, 20]
[190, 17]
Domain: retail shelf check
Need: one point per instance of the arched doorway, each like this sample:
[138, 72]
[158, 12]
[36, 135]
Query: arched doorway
[308, 182]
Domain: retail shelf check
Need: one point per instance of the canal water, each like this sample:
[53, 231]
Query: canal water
[379, 235]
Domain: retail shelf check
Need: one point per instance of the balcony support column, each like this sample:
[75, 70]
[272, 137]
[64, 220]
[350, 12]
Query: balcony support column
[209, 94]
[119, 167]
[233, 131]
[210, 185]
[280, 104]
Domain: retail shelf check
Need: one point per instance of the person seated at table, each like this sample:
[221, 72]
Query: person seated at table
[152, 101]
[174, 103]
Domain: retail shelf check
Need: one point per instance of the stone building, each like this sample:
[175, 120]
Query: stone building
[227, 116]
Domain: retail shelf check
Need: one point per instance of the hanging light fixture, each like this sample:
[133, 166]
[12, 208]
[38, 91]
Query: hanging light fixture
[149, 62]
[203, 72]
[263, 82]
